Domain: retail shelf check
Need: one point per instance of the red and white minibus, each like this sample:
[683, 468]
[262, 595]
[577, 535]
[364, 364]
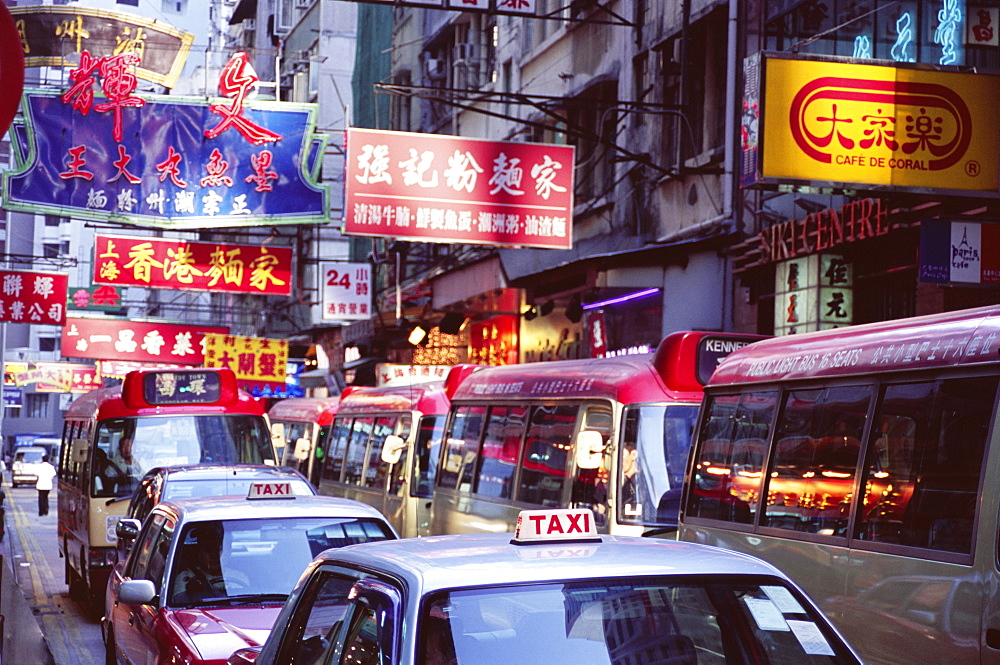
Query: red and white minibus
[862, 461]
[610, 434]
[381, 448]
[298, 426]
[112, 436]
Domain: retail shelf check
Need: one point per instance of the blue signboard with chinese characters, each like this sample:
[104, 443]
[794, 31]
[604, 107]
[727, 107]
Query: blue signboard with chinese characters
[167, 162]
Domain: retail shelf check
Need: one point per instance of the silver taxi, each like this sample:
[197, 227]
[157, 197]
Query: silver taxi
[556, 593]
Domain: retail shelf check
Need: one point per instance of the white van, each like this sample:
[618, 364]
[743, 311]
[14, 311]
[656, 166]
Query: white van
[24, 469]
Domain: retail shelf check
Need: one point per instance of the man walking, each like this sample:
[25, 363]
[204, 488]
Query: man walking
[46, 472]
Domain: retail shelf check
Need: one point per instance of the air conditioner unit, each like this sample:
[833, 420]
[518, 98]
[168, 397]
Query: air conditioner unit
[465, 51]
[434, 68]
[250, 24]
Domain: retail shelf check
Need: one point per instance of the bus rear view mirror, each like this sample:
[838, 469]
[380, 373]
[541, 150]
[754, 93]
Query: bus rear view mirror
[302, 448]
[589, 449]
[278, 435]
[392, 449]
[81, 447]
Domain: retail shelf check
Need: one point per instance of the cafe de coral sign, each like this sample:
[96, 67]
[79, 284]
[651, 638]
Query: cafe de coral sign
[888, 127]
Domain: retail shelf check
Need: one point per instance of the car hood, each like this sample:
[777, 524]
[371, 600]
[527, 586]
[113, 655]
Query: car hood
[216, 632]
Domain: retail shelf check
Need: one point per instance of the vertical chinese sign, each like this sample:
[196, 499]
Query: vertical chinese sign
[814, 292]
[166, 162]
[346, 290]
[433, 188]
[259, 362]
[494, 341]
[162, 263]
[33, 297]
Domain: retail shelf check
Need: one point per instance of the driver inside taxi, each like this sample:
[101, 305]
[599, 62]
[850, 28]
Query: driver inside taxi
[200, 573]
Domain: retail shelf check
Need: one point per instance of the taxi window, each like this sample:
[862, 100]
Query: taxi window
[143, 549]
[703, 621]
[317, 619]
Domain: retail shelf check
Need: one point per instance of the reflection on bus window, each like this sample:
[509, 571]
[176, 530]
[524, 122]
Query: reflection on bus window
[546, 451]
[337, 443]
[922, 473]
[817, 443]
[125, 448]
[357, 449]
[590, 486]
[655, 447]
[728, 465]
[427, 450]
[500, 450]
[462, 449]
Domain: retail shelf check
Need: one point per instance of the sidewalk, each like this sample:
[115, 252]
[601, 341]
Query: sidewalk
[31, 548]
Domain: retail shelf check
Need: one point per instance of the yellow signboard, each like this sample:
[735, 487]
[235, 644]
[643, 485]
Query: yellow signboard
[252, 358]
[880, 125]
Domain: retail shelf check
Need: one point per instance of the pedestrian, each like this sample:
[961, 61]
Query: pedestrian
[46, 472]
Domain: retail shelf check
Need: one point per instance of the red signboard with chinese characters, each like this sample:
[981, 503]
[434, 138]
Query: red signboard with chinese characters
[254, 359]
[494, 341]
[144, 341]
[163, 263]
[11, 68]
[433, 188]
[33, 297]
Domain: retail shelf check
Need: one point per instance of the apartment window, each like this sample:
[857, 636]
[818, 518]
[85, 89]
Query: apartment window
[53, 250]
[700, 86]
[130, 3]
[37, 405]
[53, 220]
[592, 114]
[48, 343]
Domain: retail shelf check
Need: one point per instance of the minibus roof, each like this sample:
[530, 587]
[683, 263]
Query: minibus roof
[965, 337]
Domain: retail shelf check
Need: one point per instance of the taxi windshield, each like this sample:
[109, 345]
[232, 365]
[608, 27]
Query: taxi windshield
[256, 560]
[698, 621]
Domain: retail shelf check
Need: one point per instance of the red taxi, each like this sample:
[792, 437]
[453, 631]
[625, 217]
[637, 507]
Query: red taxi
[206, 577]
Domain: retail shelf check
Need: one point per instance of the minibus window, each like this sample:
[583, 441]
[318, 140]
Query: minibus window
[336, 447]
[461, 448]
[546, 452]
[590, 486]
[500, 450]
[923, 466]
[427, 449]
[357, 449]
[728, 467]
[817, 443]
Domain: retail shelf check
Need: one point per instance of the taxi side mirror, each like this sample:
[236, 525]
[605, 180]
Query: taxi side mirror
[81, 448]
[278, 435]
[302, 448]
[126, 531]
[136, 592]
[392, 449]
[589, 449]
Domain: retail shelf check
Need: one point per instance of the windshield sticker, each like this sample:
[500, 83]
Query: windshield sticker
[766, 614]
[811, 639]
[784, 599]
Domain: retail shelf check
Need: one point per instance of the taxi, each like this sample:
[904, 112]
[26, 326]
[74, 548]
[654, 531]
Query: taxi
[205, 577]
[554, 592]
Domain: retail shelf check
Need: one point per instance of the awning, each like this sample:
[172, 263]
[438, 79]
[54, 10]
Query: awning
[244, 9]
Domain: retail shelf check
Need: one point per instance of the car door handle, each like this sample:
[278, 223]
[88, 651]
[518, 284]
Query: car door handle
[131, 618]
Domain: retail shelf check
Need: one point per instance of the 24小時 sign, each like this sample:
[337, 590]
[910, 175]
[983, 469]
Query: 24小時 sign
[346, 290]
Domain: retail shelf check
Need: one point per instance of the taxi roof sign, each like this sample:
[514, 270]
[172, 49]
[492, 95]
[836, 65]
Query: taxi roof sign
[272, 489]
[555, 525]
